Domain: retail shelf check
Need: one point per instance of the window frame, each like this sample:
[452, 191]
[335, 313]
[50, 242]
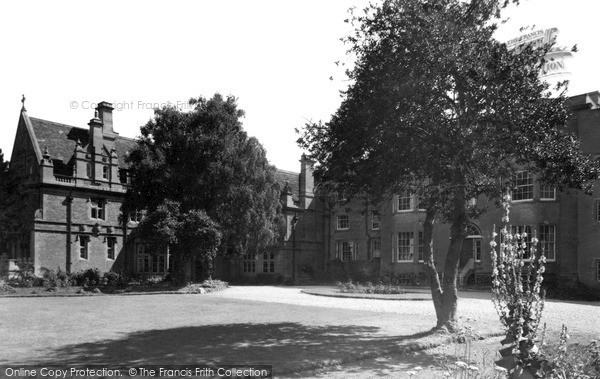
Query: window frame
[543, 192]
[373, 243]
[549, 243]
[339, 221]
[352, 251]
[410, 252]
[97, 207]
[520, 184]
[111, 246]
[477, 249]
[420, 247]
[84, 247]
[402, 200]
[136, 216]
[375, 220]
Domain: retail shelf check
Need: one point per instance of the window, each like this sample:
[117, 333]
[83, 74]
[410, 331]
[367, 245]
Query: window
[123, 176]
[406, 246]
[343, 222]
[111, 247]
[149, 263]
[249, 263]
[547, 192]
[88, 170]
[375, 220]
[346, 250]
[477, 249]
[97, 209]
[105, 172]
[136, 216]
[249, 267]
[598, 270]
[375, 248]
[523, 186]
[404, 202]
[268, 261]
[84, 242]
[597, 206]
[421, 248]
[548, 241]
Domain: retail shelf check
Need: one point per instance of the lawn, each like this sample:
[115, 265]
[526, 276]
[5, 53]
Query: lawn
[242, 325]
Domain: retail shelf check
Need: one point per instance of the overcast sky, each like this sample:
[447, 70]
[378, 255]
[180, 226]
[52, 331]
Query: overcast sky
[277, 57]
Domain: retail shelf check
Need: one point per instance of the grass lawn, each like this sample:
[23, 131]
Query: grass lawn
[252, 325]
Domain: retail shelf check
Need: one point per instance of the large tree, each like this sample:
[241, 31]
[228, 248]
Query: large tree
[9, 200]
[201, 168]
[438, 107]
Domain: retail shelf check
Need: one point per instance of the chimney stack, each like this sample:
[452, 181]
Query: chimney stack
[105, 114]
[307, 181]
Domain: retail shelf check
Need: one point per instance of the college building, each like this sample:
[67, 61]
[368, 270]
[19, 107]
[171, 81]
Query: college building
[73, 183]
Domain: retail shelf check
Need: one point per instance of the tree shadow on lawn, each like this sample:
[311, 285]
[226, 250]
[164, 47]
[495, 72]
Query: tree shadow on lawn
[287, 346]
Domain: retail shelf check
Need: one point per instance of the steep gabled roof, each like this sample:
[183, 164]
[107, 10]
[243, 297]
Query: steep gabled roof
[293, 178]
[61, 139]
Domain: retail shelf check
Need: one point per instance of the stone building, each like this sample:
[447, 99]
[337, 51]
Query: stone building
[74, 181]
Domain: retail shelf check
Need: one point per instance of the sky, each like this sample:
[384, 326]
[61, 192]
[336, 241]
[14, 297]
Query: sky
[277, 57]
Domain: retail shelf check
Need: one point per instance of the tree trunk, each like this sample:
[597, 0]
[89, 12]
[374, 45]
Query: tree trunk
[434, 279]
[182, 269]
[444, 293]
[457, 236]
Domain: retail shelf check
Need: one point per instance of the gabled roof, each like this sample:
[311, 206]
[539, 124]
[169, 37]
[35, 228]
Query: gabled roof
[293, 178]
[61, 139]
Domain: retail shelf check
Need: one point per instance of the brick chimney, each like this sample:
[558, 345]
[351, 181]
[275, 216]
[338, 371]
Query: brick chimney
[307, 181]
[105, 113]
[96, 139]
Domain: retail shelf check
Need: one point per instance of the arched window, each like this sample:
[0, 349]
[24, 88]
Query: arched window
[473, 231]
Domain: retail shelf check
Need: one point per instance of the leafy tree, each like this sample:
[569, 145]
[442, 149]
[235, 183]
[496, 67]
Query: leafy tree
[8, 202]
[438, 107]
[189, 235]
[200, 169]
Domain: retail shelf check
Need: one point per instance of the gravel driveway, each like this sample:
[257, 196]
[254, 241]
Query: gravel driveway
[582, 318]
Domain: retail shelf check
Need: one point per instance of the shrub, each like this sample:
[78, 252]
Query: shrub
[112, 278]
[369, 288]
[25, 275]
[89, 277]
[51, 279]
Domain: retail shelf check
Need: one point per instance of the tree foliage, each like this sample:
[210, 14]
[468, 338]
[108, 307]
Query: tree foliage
[201, 168]
[439, 107]
[9, 197]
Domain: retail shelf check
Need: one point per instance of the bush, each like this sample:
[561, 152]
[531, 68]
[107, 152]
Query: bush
[112, 278]
[52, 279]
[369, 288]
[89, 277]
[25, 275]
[578, 291]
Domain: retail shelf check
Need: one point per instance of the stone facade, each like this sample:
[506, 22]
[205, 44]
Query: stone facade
[74, 181]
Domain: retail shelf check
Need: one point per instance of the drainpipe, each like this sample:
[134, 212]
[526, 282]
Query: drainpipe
[69, 230]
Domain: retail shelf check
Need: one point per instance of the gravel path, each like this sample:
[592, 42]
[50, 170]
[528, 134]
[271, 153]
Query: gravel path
[582, 318]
